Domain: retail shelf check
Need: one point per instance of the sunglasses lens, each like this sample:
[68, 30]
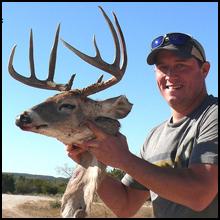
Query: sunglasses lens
[157, 42]
[178, 38]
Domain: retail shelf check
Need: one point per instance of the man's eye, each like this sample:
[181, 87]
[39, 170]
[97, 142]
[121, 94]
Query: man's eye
[163, 68]
[180, 66]
[67, 106]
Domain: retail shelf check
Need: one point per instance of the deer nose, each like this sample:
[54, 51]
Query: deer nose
[23, 119]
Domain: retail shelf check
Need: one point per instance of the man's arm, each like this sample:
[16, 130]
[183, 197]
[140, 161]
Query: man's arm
[194, 187]
[122, 200]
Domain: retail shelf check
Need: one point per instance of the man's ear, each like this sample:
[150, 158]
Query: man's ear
[116, 108]
[205, 69]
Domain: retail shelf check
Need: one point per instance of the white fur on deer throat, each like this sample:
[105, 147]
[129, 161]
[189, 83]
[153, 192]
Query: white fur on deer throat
[87, 181]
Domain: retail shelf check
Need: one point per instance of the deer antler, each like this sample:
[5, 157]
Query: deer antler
[114, 68]
[32, 80]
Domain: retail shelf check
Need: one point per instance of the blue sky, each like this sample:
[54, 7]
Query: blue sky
[141, 22]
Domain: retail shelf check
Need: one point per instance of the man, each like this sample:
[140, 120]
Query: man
[177, 167]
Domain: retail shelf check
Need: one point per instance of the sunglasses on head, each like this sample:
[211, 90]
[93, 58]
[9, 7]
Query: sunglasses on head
[172, 38]
[177, 39]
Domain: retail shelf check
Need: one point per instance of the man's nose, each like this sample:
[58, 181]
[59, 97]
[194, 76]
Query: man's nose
[171, 73]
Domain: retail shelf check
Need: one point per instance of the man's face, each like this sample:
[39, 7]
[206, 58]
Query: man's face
[181, 81]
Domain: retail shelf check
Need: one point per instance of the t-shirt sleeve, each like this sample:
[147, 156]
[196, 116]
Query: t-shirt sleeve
[206, 144]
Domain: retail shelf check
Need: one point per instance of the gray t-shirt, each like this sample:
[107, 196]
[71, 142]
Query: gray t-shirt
[192, 140]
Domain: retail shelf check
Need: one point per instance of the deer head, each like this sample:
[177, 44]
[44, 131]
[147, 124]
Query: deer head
[63, 115]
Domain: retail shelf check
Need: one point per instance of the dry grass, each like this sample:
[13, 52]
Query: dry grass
[99, 210]
[51, 209]
[40, 209]
[46, 209]
[9, 214]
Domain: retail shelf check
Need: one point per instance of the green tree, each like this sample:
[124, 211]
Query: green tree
[23, 185]
[36, 185]
[49, 188]
[8, 183]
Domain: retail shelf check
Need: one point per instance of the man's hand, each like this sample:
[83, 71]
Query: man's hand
[75, 152]
[110, 150]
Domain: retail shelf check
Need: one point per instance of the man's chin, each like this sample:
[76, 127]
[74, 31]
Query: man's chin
[174, 102]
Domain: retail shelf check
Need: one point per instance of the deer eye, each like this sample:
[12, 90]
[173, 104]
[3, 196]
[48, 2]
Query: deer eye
[67, 106]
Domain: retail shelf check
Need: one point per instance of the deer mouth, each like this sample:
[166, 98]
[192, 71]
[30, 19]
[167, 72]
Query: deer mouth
[41, 126]
[25, 122]
[28, 127]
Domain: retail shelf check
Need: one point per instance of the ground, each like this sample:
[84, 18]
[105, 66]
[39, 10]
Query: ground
[26, 206]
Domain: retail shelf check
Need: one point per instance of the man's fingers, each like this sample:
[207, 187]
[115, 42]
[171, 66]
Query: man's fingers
[121, 137]
[73, 149]
[75, 152]
[95, 129]
[88, 144]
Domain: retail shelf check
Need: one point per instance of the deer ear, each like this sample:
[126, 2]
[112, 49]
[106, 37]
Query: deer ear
[116, 108]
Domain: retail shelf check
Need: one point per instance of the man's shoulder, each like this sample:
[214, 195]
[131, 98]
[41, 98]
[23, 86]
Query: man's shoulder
[209, 115]
[211, 106]
[212, 100]
[208, 107]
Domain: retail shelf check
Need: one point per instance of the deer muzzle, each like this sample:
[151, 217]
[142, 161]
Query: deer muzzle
[23, 119]
[25, 122]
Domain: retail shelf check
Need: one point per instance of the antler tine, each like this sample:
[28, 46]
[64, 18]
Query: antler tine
[123, 45]
[114, 68]
[116, 62]
[31, 56]
[53, 56]
[32, 80]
